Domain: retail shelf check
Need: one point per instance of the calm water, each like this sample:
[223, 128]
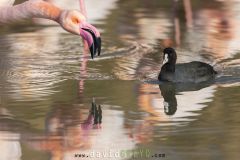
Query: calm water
[56, 102]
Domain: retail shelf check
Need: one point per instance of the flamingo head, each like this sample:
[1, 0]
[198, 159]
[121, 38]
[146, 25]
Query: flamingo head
[74, 22]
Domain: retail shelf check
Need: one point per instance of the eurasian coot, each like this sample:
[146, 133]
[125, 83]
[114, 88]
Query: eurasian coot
[193, 72]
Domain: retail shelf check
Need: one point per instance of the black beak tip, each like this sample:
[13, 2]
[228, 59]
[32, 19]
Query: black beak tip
[96, 49]
[91, 48]
[99, 41]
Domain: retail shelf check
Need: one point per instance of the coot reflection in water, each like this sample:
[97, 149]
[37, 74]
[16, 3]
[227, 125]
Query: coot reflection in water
[170, 90]
[170, 104]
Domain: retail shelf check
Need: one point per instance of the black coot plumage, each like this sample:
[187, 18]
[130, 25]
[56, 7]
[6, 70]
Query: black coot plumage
[193, 72]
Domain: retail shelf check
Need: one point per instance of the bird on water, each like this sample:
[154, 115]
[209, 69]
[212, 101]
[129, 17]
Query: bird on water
[192, 72]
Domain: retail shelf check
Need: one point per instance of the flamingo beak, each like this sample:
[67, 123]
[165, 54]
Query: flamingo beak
[92, 36]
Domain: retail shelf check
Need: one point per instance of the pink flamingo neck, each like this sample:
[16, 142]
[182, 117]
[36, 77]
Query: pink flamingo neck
[29, 9]
[83, 8]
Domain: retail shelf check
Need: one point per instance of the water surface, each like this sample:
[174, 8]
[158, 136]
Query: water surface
[56, 102]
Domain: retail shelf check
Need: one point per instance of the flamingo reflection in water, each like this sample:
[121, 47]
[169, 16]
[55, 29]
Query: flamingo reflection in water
[67, 133]
[64, 133]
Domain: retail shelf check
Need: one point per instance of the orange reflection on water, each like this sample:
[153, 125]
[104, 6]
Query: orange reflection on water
[66, 135]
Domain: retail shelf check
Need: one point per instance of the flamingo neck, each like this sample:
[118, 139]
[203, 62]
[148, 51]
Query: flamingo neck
[83, 8]
[29, 9]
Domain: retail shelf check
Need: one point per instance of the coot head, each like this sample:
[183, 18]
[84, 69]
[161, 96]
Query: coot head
[169, 55]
